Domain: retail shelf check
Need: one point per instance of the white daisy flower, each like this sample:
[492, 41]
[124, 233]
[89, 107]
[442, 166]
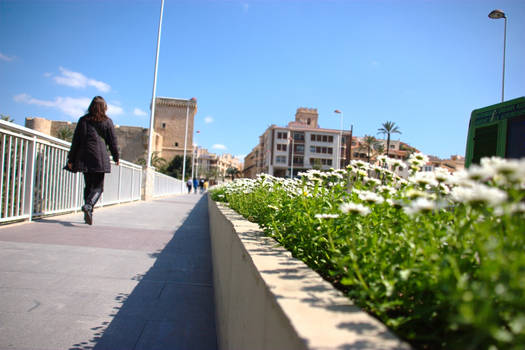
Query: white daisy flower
[479, 194]
[424, 178]
[356, 208]
[371, 197]
[372, 181]
[326, 216]
[420, 205]
[441, 174]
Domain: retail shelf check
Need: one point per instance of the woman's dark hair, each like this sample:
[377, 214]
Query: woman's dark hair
[97, 109]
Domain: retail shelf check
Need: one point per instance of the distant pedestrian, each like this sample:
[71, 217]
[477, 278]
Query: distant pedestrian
[206, 185]
[188, 184]
[93, 135]
[195, 185]
[201, 185]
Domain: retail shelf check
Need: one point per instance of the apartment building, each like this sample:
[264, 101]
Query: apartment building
[213, 166]
[398, 149]
[226, 161]
[452, 164]
[251, 163]
[299, 146]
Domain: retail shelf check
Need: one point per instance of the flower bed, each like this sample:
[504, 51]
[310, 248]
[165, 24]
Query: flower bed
[439, 258]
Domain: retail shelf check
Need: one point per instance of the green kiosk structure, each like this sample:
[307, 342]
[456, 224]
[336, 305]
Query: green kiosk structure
[497, 130]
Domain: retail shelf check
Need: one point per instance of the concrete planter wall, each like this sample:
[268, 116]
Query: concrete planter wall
[266, 299]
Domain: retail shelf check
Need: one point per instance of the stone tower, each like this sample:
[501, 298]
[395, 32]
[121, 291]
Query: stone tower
[170, 125]
[307, 117]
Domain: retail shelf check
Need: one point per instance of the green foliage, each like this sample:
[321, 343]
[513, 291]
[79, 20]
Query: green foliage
[157, 162]
[233, 172]
[369, 145]
[438, 258]
[174, 168]
[388, 128]
[6, 118]
[65, 133]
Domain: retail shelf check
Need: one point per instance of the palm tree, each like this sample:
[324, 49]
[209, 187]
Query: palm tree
[6, 118]
[156, 161]
[380, 148]
[369, 144]
[388, 128]
[232, 172]
[65, 133]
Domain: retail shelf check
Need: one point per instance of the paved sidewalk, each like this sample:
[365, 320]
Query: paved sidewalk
[139, 278]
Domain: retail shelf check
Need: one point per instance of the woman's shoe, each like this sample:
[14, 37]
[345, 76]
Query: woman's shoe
[88, 214]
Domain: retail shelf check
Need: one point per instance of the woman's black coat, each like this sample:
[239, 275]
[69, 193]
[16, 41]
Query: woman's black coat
[88, 151]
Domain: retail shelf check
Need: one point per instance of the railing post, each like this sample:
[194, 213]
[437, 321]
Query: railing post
[29, 179]
[119, 182]
[76, 191]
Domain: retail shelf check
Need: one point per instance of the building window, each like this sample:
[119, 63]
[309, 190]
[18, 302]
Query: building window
[282, 135]
[319, 149]
[321, 161]
[299, 148]
[164, 125]
[280, 159]
[298, 160]
[281, 147]
[322, 138]
[176, 144]
[298, 136]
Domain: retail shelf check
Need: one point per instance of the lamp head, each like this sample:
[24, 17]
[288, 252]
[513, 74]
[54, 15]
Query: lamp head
[497, 14]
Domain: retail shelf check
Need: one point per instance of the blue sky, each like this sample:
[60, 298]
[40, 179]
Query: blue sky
[423, 64]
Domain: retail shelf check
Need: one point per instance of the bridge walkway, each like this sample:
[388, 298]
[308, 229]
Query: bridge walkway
[139, 278]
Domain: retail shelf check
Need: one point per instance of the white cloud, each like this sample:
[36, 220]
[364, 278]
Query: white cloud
[6, 58]
[79, 80]
[208, 120]
[114, 110]
[74, 107]
[219, 146]
[139, 112]
[240, 156]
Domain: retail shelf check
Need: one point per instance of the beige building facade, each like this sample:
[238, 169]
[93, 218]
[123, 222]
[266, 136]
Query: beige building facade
[299, 146]
[252, 163]
[212, 166]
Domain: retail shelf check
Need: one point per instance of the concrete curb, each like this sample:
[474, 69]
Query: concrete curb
[266, 299]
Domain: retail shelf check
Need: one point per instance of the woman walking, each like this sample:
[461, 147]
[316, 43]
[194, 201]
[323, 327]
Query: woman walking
[93, 135]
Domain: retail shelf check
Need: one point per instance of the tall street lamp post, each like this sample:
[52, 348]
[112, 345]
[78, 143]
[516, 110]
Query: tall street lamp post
[498, 14]
[152, 116]
[339, 143]
[291, 160]
[195, 156]
[185, 145]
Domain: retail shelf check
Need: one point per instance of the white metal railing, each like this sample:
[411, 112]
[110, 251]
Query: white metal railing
[165, 185]
[34, 184]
